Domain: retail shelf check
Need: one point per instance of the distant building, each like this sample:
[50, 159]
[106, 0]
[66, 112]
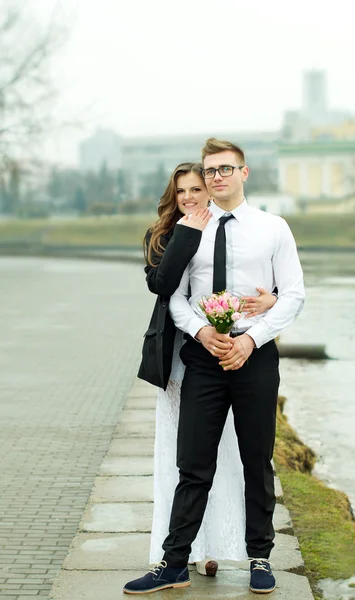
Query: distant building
[295, 127]
[141, 157]
[298, 124]
[343, 131]
[277, 204]
[319, 175]
[315, 107]
[104, 146]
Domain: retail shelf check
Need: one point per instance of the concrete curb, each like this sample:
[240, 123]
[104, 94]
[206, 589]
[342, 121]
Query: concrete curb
[112, 543]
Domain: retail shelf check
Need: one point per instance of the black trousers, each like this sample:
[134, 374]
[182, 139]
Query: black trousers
[206, 395]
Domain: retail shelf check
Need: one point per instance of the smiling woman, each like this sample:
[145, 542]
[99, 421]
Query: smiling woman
[191, 193]
[185, 194]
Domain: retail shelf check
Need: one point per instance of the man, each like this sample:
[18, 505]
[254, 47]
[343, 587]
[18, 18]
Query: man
[239, 247]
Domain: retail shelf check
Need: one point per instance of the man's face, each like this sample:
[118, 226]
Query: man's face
[191, 193]
[225, 188]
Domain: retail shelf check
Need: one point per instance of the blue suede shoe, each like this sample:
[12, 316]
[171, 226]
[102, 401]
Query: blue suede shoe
[262, 580]
[159, 577]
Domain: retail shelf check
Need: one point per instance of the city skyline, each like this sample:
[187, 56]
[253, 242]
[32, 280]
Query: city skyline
[144, 69]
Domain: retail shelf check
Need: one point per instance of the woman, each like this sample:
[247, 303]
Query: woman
[184, 205]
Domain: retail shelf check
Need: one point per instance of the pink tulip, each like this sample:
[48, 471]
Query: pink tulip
[226, 296]
[236, 316]
[235, 303]
[219, 309]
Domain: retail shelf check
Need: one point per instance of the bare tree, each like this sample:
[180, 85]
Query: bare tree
[27, 92]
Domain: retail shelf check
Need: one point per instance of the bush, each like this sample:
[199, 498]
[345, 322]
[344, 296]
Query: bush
[101, 208]
[141, 206]
[33, 210]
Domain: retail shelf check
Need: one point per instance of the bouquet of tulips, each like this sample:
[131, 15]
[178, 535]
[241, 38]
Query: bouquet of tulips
[222, 310]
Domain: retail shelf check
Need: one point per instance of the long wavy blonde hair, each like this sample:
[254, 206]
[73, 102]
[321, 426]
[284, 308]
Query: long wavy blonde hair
[168, 212]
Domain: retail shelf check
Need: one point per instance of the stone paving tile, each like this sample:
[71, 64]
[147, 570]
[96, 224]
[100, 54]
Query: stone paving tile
[138, 403]
[282, 519]
[118, 517]
[229, 585]
[278, 489]
[134, 416]
[135, 430]
[127, 465]
[110, 551]
[64, 374]
[130, 447]
[143, 390]
[100, 551]
[285, 556]
[123, 489]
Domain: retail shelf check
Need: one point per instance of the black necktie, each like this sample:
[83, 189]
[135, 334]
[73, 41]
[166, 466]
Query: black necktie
[219, 258]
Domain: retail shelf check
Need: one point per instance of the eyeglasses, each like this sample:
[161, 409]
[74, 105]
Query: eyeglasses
[223, 170]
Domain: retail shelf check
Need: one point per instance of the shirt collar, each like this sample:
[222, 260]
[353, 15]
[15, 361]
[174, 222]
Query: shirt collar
[237, 213]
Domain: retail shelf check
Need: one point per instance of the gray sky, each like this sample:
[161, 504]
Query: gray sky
[160, 66]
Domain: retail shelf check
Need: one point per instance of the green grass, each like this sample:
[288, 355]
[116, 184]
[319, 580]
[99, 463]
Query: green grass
[22, 230]
[128, 230]
[122, 230]
[327, 230]
[323, 525]
[321, 516]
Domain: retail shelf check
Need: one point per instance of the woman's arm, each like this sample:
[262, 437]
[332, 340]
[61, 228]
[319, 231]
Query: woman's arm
[256, 305]
[180, 247]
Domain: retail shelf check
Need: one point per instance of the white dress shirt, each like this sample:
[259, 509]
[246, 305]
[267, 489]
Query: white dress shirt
[261, 252]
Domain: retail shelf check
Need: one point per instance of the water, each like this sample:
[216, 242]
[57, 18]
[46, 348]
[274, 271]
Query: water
[321, 394]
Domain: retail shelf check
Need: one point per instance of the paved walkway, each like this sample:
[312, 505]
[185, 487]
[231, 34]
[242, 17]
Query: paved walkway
[69, 337]
[111, 545]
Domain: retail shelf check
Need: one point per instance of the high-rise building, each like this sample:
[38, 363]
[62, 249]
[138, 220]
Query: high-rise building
[315, 97]
[298, 125]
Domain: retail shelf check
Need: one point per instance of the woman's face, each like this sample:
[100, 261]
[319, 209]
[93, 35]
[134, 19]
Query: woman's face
[191, 193]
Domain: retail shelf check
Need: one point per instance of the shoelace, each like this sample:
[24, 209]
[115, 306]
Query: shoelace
[260, 564]
[162, 565]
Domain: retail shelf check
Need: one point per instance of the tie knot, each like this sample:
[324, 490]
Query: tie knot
[223, 220]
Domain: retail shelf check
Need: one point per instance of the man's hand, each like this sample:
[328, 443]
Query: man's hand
[218, 344]
[242, 348]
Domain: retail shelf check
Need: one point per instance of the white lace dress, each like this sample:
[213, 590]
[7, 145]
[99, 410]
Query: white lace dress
[222, 532]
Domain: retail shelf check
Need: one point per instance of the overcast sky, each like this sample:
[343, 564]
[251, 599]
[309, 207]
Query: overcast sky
[167, 66]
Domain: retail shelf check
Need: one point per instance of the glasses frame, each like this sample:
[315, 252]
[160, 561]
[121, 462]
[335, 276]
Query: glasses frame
[219, 172]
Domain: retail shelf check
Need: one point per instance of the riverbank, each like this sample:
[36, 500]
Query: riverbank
[123, 232]
[322, 518]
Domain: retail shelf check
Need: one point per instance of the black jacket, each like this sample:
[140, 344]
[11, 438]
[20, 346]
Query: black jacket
[181, 244]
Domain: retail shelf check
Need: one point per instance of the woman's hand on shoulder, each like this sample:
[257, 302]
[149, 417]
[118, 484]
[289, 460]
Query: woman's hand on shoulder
[256, 305]
[198, 220]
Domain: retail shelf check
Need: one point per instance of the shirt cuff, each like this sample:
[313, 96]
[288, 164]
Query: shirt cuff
[194, 326]
[258, 334]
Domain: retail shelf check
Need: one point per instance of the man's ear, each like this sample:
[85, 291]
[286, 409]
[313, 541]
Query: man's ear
[245, 173]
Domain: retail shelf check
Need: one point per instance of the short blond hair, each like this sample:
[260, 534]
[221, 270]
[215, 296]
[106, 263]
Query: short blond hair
[214, 146]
